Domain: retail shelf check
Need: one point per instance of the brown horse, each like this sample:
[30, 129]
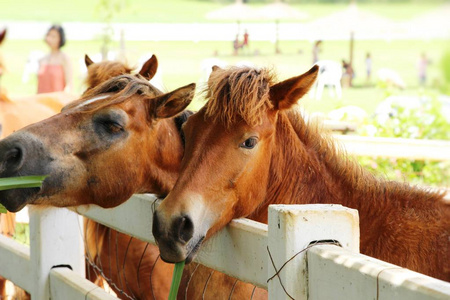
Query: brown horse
[246, 149]
[18, 113]
[121, 257]
[117, 256]
[88, 149]
[131, 267]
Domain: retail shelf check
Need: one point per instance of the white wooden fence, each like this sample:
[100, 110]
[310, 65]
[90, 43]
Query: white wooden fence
[240, 250]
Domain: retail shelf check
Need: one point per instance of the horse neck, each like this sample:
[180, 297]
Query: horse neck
[397, 221]
[307, 169]
[163, 164]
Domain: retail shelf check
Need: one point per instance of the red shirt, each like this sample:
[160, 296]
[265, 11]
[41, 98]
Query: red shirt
[51, 78]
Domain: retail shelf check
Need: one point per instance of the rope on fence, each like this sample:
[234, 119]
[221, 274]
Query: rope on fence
[277, 271]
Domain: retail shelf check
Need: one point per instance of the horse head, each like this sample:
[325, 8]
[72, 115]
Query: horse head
[101, 148]
[224, 171]
[104, 70]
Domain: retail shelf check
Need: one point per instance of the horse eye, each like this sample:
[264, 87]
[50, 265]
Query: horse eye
[249, 143]
[112, 127]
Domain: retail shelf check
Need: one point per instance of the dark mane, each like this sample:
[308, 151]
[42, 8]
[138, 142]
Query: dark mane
[180, 120]
[238, 92]
[123, 87]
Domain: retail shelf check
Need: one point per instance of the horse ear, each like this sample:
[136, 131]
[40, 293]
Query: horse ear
[170, 104]
[215, 68]
[286, 93]
[87, 60]
[148, 70]
[2, 35]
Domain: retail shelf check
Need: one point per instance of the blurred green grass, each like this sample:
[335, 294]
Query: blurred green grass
[182, 10]
[180, 64]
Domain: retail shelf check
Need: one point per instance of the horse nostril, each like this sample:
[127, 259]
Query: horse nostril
[184, 229]
[13, 159]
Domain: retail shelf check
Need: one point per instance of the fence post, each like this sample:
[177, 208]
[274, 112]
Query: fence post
[55, 239]
[291, 229]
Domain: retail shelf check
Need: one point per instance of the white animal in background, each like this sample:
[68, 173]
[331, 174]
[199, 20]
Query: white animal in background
[206, 68]
[349, 113]
[330, 74]
[245, 63]
[391, 77]
[32, 65]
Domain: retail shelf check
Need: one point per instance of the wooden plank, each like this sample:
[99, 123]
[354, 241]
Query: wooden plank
[239, 250]
[228, 251]
[67, 284]
[336, 273]
[15, 262]
[55, 239]
[134, 217]
[432, 150]
[292, 228]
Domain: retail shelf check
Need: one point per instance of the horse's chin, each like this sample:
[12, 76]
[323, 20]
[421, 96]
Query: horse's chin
[193, 253]
[16, 199]
[175, 258]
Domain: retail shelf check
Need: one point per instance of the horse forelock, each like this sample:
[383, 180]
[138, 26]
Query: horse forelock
[238, 92]
[114, 91]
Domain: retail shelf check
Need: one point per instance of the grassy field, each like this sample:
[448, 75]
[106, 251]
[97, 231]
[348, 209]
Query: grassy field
[181, 10]
[180, 64]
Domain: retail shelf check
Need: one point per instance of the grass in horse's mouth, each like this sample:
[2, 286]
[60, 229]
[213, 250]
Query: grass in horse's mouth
[176, 279]
[20, 183]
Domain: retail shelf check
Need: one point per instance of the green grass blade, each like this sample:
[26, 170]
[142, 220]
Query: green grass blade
[176, 279]
[21, 182]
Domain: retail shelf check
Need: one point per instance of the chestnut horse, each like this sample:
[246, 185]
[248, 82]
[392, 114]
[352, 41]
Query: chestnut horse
[121, 257]
[115, 255]
[87, 150]
[246, 149]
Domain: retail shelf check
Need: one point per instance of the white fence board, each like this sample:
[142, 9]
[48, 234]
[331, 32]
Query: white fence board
[336, 273]
[396, 147]
[292, 228]
[68, 285]
[134, 217]
[227, 251]
[15, 262]
[239, 250]
[55, 239]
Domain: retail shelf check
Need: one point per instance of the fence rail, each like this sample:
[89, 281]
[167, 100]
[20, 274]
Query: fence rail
[433, 150]
[357, 276]
[240, 250]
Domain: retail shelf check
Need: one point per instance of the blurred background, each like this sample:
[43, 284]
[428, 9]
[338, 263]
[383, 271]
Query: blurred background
[385, 64]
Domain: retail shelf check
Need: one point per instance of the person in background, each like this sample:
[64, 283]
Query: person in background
[368, 66]
[245, 42]
[423, 65]
[316, 50]
[55, 70]
[348, 75]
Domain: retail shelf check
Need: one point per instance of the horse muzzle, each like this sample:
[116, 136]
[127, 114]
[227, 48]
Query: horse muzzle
[15, 200]
[21, 155]
[176, 240]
